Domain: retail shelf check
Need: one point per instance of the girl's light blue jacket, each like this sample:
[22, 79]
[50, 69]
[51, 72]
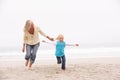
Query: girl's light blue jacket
[60, 48]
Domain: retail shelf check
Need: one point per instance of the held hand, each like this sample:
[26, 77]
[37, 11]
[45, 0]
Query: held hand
[52, 39]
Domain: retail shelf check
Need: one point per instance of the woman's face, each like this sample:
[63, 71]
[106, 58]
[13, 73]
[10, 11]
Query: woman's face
[32, 25]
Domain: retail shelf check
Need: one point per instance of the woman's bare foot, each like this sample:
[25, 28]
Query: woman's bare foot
[30, 65]
[26, 63]
[29, 68]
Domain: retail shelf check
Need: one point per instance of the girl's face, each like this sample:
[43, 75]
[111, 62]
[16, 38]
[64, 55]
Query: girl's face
[61, 39]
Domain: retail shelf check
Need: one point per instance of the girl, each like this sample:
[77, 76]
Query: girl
[59, 53]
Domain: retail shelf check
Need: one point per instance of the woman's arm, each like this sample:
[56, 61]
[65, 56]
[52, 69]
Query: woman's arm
[24, 41]
[42, 33]
[23, 49]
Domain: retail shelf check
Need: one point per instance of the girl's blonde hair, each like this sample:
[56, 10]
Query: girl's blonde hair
[27, 25]
[59, 36]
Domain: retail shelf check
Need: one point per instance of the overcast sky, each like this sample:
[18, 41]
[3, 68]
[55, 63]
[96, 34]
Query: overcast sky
[87, 22]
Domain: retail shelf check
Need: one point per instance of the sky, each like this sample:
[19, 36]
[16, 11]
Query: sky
[87, 22]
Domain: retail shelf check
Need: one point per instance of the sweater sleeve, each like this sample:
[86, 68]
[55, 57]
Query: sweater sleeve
[41, 32]
[25, 38]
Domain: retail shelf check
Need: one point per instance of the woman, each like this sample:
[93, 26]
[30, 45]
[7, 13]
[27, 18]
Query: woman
[32, 42]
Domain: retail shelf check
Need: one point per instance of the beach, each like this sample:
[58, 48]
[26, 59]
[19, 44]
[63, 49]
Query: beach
[80, 69]
[94, 64]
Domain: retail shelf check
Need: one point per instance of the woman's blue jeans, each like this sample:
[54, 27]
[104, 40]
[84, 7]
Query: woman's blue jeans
[31, 51]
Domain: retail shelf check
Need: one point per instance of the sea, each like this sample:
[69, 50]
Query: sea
[70, 53]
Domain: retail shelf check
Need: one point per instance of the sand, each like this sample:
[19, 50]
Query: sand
[76, 69]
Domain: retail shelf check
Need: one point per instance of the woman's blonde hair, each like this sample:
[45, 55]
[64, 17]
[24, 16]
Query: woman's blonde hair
[27, 25]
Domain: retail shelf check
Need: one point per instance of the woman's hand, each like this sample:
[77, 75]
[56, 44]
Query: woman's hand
[52, 39]
[23, 49]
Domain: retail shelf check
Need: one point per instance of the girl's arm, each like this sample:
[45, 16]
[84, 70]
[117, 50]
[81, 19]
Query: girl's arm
[72, 44]
[48, 42]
